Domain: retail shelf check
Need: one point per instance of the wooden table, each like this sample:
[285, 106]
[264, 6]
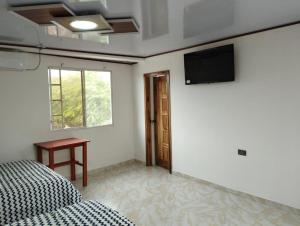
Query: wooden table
[70, 143]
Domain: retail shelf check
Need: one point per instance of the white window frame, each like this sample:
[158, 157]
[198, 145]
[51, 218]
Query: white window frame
[83, 97]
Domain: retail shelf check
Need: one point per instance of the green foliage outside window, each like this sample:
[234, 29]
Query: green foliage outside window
[74, 104]
[98, 98]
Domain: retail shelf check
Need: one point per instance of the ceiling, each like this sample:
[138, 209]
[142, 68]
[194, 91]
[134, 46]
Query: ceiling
[165, 24]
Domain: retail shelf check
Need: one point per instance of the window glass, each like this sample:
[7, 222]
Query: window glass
[98, 98]
[57, 122]
[55, 79]
[80, 98]
[72, 98]
[55, 92]
[56, 108]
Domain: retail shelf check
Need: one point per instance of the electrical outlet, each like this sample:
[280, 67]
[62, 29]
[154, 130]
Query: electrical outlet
[242, 152]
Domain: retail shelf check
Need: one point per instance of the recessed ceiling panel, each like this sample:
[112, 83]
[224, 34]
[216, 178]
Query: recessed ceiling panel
[207, 16]
[126, 25]
[42, 14]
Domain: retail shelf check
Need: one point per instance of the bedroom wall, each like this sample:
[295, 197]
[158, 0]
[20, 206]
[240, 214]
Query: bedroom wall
[25, 115]
[258, 112]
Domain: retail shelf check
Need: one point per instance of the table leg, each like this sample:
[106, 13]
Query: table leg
[51, 159]
[39, 154]
[84, 160]
[73, 166]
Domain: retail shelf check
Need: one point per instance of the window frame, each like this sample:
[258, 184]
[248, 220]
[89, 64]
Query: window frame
[82, 74]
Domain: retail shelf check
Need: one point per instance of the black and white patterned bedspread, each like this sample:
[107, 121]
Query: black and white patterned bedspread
[85, 213]
[28, 188]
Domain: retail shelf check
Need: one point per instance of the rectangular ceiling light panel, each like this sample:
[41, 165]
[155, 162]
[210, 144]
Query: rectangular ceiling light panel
[80, 24]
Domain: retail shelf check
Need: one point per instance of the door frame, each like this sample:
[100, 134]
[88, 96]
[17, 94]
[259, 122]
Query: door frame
[148, 109]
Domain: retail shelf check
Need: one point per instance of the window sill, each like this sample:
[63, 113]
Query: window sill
[81, 128]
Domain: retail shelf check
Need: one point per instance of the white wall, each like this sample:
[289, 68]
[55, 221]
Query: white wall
[25, 115]
[258, 112]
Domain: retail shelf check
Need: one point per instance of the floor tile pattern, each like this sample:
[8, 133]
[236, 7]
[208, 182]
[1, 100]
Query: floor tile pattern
[153, 197]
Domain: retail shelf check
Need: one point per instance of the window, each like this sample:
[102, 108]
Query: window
[79, 98]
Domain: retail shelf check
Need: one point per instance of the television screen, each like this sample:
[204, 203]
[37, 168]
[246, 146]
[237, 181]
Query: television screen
[209, 66]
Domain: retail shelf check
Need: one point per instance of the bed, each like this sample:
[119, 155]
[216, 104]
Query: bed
[85, 213]
[28, 188]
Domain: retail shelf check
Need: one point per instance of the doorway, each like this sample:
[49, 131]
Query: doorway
[158, 119]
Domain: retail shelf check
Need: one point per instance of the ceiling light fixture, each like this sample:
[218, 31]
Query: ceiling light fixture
[83, 25]
[61, 15]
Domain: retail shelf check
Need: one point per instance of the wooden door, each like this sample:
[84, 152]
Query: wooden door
[162, 122]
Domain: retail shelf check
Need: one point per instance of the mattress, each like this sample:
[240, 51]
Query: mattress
[85, 213]
[28, 188]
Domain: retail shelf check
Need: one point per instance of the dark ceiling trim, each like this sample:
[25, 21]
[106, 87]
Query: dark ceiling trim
[227, 38]
[92, 52]
[90, 59]
[153, 55]
[80, 58]
[70, 50]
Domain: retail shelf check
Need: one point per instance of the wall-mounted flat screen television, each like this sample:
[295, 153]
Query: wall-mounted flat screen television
[210, 66]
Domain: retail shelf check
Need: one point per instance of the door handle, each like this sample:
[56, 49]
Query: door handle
[153, 121]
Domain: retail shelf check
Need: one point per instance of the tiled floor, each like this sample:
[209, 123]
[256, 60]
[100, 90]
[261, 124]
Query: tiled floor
[152, 197]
